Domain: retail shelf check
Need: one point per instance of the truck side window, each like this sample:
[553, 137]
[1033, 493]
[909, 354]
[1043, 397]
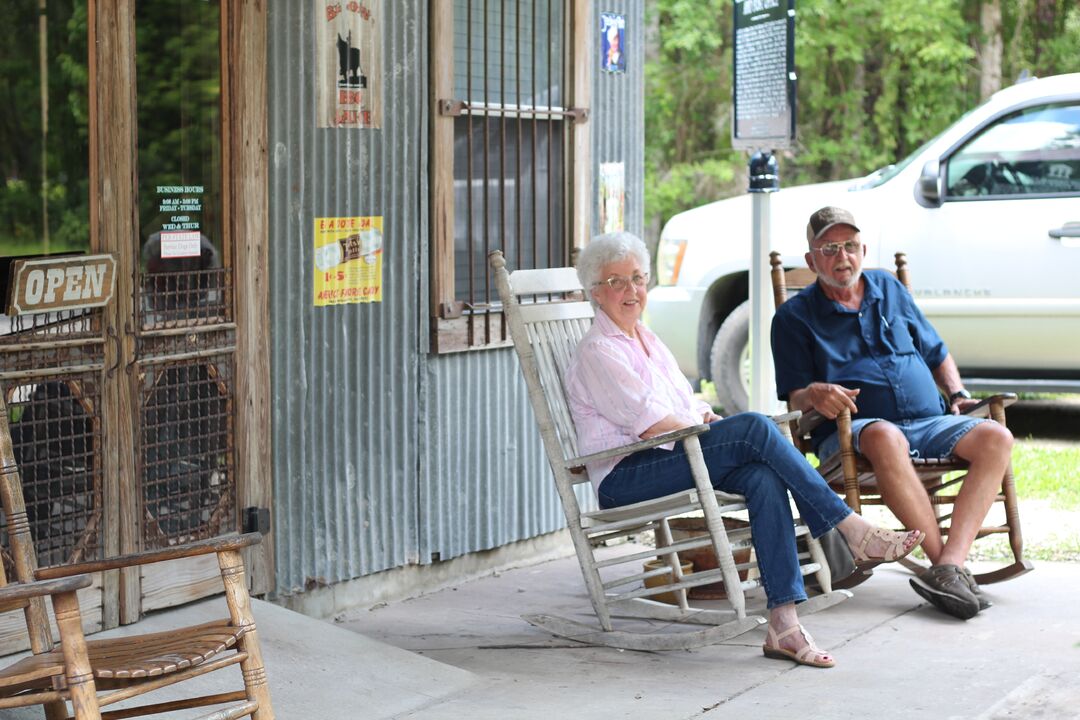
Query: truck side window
[1035, 151]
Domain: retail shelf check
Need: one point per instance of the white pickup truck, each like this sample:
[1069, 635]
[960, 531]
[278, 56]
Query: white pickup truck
[988, 213]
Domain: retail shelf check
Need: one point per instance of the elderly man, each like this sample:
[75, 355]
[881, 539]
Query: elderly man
[856, 340]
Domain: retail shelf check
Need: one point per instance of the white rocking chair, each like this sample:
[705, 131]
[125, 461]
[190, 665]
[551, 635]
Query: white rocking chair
[546, 329]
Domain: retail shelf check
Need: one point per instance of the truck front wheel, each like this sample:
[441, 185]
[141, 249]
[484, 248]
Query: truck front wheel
[729, 361]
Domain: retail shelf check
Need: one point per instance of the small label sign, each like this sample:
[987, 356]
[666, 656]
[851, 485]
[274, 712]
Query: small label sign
[181, 244]
[61, 283]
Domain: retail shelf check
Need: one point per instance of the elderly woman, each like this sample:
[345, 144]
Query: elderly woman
[623, 385]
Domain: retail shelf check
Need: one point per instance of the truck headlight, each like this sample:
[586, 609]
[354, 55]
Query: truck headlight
[669, 257]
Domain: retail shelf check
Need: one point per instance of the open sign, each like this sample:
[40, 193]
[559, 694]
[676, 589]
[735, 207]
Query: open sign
[61, 283]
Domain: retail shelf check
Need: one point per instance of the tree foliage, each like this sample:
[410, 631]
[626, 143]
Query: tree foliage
[877, 78]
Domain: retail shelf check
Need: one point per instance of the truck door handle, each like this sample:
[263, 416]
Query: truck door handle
[1068, 230]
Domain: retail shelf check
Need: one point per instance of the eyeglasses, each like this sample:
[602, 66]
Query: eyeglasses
[851, 247]
[619, 283]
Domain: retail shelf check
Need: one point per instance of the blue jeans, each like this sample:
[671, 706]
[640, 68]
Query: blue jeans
[748, 455]
[932, 437]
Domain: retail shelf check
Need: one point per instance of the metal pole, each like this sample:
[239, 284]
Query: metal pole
[764, 180]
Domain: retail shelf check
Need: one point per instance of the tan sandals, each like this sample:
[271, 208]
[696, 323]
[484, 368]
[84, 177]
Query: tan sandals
[894, 547]
[808, 655]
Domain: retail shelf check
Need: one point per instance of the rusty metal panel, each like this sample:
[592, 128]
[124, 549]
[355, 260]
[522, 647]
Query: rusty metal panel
[618, 113]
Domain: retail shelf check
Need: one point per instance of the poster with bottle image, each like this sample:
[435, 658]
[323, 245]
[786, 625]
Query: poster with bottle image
[348, 260]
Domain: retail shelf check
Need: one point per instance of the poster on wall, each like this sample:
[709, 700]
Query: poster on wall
[613, 42]
[348, 260]
[348, 65]
[612, 196]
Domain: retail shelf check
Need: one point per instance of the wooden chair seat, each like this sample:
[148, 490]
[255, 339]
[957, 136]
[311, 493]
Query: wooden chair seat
[76, 678]
[127, 658]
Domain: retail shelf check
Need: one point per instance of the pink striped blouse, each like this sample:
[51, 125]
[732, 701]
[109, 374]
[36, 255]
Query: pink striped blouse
[616, 391]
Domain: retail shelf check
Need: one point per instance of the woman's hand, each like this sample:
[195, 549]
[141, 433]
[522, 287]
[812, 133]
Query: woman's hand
[711, 417]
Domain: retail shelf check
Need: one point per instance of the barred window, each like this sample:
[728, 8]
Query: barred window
[503, 160]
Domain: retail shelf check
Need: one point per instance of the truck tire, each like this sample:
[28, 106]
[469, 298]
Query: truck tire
[729, 361]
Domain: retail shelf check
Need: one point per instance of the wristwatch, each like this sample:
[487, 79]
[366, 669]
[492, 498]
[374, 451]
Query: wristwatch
[960, 394]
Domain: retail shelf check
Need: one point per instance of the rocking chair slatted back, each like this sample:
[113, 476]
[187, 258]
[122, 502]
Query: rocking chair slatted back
[549, 332]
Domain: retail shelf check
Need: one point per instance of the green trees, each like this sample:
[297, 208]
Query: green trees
[44, 160]
[877, 78]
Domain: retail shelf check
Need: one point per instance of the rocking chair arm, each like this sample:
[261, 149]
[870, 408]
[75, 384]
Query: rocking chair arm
[983, 408]
[201, 547]
[38, 588]
[652, 442]
[809, 420]
[812, 418]
[786, 417]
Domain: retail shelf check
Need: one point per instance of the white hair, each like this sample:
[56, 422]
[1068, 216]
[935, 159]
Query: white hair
[605, 249]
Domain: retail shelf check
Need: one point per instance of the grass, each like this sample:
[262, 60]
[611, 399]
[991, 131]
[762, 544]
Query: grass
[1047, 471]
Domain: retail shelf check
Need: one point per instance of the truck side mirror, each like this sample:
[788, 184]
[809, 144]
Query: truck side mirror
[928, 191]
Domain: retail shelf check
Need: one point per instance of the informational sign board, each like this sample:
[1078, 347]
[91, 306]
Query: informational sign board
[70, 282]
[763, 115]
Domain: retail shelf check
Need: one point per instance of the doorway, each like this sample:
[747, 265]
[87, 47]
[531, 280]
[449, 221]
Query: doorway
[133, 425]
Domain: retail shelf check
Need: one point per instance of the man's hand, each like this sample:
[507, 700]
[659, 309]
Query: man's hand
[830, 399]
[962, 405]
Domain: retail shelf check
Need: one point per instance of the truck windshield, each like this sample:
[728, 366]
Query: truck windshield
[887, 173]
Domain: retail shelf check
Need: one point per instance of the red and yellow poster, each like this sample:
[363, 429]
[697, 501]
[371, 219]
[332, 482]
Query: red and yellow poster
[348, 260]
[348, 64]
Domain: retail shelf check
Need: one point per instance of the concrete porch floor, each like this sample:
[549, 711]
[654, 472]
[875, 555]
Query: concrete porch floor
[896, 655]
[465, 653]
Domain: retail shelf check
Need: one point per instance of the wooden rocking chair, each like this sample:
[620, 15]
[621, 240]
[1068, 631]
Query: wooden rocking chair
[545, 329]
[92, 674]
[852, 476]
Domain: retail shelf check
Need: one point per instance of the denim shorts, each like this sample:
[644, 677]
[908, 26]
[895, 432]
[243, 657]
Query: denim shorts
[932, 437]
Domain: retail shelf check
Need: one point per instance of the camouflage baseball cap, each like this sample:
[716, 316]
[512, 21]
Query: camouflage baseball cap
[825, 218]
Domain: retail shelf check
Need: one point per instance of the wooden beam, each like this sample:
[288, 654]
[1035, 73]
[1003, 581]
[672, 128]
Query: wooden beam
[581, 60]
[441, 68]
[114, 153]
[248, 183]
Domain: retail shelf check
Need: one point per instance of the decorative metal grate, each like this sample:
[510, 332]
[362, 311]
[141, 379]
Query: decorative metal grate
[56, 436]
[185, 298]
[187, 454]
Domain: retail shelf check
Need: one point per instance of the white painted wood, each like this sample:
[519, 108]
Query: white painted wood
[542, 312]
[545, 334]
[552, 280]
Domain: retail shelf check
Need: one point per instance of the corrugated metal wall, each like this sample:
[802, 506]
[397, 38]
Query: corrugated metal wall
[618, 113]
[345, 378]
[385, 455]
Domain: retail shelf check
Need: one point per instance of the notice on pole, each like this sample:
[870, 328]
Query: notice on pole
[348, 260]
[764, 89]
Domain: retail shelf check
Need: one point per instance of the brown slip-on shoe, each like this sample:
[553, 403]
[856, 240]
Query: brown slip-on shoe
[946, 588]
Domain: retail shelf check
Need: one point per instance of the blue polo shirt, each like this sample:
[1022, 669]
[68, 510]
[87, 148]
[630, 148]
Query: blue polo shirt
[886, 348]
